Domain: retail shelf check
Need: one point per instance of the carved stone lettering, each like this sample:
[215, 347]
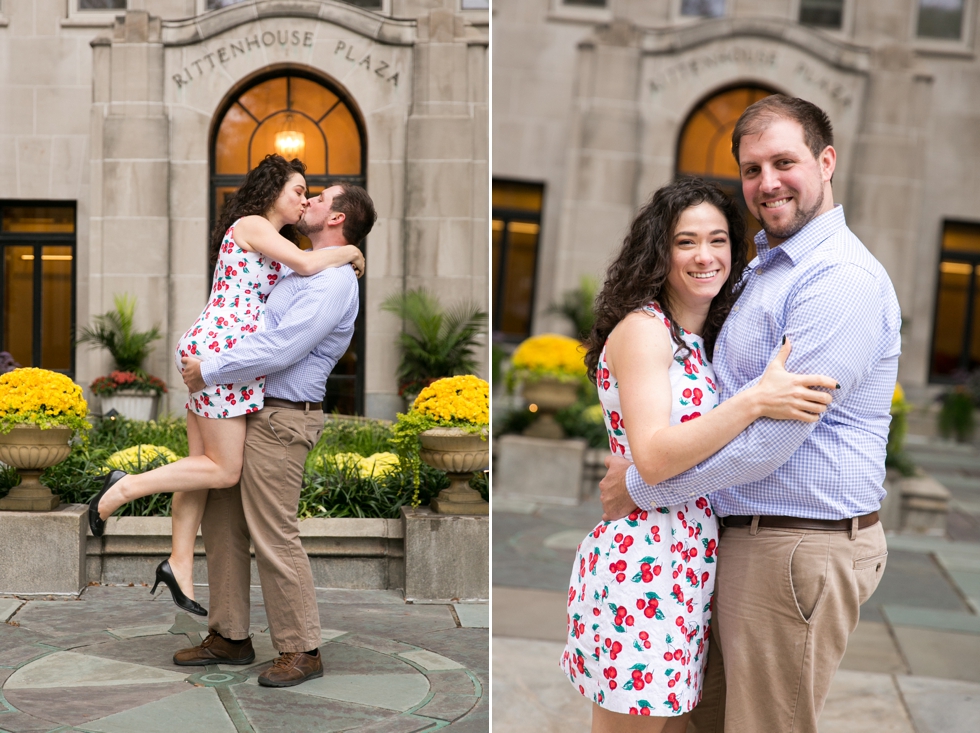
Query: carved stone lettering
[836, 91]
[691, 68]
[243, 46]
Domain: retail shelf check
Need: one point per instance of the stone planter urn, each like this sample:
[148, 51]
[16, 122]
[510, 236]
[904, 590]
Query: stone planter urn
[30, 450]
[131, 404]
[460, 455]
[550, 396]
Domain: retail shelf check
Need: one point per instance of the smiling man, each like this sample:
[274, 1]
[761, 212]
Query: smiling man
[802, 547]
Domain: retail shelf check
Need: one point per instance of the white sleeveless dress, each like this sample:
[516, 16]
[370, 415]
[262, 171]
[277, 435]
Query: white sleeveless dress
[639, 599]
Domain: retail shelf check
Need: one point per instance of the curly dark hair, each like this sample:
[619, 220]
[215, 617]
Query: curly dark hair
[257, 194]
[639, 273]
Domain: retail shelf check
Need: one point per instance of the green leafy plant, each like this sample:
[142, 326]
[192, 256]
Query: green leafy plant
[895, 455]
[956, 414]
[436, 343]
[577, 305]
[115, 332]
[330, 488]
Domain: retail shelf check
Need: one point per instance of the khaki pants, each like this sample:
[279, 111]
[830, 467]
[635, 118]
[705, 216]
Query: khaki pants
[263, 508]
[786, 602]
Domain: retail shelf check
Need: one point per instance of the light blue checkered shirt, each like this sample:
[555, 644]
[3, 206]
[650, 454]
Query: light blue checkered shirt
[837, 306]
[308, 326]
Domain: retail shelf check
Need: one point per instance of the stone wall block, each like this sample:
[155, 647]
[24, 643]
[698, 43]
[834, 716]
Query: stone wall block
[135, 246]
[189, 247]
[440, 138]
[33, 167]
[455, 249]
[55, 565]
[136, 188]
[446, 557]
[538, 469]
[42, 61]
[60, 110]
[437, 188]
[386, 184]
[17, 111]
[421, 236]
[189, 189]
[136, 138]
[69, 169]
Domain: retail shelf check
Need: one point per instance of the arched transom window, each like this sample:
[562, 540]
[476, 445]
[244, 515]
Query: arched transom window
[705, 145]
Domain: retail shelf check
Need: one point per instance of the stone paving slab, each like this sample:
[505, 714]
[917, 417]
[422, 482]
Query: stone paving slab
[942, 654]
[941, 706]
[931, 618]
[125, 680]
[473, 615]
[8, 607]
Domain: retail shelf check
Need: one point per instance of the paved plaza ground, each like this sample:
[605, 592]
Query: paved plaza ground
[103, 663]
[912, 665]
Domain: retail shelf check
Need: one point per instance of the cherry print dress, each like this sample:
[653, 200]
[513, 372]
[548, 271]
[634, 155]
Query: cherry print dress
[242, 283]
[639, 598]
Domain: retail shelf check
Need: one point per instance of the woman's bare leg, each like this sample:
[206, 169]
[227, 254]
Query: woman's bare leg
[186, 513]
[606, 721]
[219, 467]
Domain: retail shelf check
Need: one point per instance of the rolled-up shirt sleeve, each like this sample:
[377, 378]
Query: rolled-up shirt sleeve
[826, 339]
[307, 321]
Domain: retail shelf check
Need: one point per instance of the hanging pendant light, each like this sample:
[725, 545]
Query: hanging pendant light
[290, 143]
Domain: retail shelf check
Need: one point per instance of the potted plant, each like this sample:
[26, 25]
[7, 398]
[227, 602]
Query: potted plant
[128, 390]
[447, 428]
[578, 306]
[552, 368]
[40, 411]
[437, 343]
[956, 414]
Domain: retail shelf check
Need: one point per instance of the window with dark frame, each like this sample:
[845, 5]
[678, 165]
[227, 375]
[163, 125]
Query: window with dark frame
[703, 8]
[246, 130]
[586, 3]
[37, 284]
[956, 329]
[822, 13]
[101, 4]
[516, 231]
[940, 19]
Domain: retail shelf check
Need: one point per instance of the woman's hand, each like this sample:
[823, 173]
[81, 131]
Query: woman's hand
[357, 259]
[782, 395]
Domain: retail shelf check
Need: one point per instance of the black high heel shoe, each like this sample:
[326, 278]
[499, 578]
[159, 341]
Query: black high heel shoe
[165, 574]
[95, 522]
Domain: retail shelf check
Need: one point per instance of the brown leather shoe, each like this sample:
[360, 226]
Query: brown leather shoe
[291, 669]
[215, 649]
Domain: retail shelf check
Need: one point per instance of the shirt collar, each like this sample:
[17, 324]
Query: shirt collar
[805, 240]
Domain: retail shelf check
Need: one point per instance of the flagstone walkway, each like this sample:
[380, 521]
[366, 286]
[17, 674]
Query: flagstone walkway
[103, 663]
[912, 665]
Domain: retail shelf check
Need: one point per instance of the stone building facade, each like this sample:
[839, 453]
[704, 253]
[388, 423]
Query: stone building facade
[596, 103]
[125, 125]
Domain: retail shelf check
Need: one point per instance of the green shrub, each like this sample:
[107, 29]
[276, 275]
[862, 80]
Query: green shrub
[327, 490]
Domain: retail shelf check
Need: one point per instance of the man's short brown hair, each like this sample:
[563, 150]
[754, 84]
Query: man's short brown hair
[358, 210]
[818, 133]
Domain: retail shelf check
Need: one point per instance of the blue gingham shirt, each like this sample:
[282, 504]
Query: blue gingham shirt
[836, 304]
[309, 322]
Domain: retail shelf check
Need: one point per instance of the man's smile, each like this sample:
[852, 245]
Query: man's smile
[777, 203]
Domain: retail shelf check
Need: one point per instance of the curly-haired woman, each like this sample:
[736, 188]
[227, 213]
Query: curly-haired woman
[255, 236]
[639, 599]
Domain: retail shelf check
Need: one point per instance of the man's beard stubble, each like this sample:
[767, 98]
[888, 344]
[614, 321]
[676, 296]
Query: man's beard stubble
[793, 226]
[306, 229]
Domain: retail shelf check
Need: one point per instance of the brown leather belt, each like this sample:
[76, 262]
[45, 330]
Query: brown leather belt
[826, 525]
[290, 405]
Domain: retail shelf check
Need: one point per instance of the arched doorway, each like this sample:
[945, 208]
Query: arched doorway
[298, 114]
[704, 147]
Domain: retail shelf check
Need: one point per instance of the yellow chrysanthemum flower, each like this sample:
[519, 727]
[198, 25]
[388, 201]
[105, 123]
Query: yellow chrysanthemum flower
[550, 355]
[376, 465]
[41, 397]
[464, 398]
[136, 457]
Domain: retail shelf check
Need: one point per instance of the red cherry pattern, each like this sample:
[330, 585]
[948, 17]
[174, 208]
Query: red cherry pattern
[241, 284]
